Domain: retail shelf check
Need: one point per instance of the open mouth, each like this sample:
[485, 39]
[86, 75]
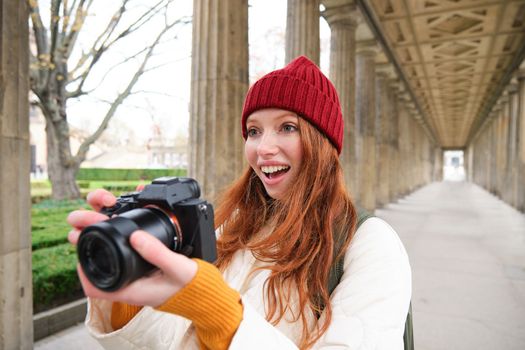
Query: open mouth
[274, 171]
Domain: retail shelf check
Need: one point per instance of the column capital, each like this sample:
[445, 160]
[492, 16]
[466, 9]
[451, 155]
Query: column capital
[504, 98]
[399, 88]
[512, 87]
[405, 96]
[386, 69]
[496, 107]
[346, 15]
[394, 83]
[367, 47]
[520, 74]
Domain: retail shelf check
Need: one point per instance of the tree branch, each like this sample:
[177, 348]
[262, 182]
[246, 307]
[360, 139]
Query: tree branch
[84, 147]
[103, 43]
[71, 34]
[79, 92]
[42, 46]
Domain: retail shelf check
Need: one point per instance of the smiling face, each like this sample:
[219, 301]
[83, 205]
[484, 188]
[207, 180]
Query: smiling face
[273, 148]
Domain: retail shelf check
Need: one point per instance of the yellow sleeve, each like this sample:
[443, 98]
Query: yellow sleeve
[122, 313]
[214, 307]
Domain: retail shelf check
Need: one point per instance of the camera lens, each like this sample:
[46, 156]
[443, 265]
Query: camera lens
[106, 255]
[102, 260]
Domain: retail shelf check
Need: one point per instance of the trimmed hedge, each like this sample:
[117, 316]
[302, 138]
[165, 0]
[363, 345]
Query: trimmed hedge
[99, 174]
[48, 222]
[55, 279]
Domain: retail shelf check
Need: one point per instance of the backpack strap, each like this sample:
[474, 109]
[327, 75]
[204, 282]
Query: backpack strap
[337, 269]
[336, 272]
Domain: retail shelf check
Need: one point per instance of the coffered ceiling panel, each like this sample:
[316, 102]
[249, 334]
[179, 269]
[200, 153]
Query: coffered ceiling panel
[454, 53]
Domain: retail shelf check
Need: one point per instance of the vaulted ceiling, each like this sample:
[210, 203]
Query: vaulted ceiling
[455, 54]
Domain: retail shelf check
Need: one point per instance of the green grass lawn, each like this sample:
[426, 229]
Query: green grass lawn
[54, 260]
[48, 222]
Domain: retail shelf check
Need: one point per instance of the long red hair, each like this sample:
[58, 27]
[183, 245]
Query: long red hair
[301, 247]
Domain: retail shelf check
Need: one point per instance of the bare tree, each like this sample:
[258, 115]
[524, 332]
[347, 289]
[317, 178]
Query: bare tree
[58, 75]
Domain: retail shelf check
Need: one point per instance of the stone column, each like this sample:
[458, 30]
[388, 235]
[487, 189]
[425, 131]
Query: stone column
[365, 124]
[438, 164]
[412, 150]
[404, 147]
[343, 21]
[469, 162]
[383, 156]
[521, 141]
[393, 140]
[16, 300]
[486, 155]
[219, 82]
[510, 193]
[417, 146]
[502, 145]
[302, 30]
[494, 143]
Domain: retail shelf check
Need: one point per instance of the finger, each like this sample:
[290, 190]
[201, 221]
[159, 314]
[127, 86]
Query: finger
[82, 218]
[175, 265]
[130, 294]
[72, 236]
[150, 248]
[101, 198]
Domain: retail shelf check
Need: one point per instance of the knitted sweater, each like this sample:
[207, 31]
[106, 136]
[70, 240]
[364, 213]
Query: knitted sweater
[369, 305]
[214, 308]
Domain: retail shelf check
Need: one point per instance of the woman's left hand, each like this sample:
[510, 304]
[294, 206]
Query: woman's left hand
[175, 272]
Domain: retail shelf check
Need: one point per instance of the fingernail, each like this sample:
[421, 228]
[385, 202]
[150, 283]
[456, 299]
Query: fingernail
[138, 239]
[71, 217]
[108, 200]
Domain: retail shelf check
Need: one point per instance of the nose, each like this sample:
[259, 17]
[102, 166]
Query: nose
[268, 145]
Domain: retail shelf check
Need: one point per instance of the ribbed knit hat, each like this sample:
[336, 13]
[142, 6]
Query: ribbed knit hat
[302, 88]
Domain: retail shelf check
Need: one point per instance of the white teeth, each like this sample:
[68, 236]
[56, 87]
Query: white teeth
[273, 169]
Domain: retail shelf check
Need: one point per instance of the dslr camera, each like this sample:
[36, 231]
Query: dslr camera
[169, 209]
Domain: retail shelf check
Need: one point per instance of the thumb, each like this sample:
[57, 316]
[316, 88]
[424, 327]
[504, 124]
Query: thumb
[150, 248]
[175, 265]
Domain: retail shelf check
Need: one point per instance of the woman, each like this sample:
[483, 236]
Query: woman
[282, 225]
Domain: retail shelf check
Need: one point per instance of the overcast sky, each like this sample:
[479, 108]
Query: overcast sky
[168, 106]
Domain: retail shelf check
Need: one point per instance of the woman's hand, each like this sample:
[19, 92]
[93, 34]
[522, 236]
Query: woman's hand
[175, 270]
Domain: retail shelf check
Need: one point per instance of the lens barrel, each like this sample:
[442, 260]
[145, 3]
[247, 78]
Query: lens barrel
[105, 253]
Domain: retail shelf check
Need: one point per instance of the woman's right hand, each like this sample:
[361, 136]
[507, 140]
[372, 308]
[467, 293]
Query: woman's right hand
[79, 219]
[175, 270]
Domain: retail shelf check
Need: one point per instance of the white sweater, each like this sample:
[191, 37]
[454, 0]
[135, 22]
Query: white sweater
[369, 305]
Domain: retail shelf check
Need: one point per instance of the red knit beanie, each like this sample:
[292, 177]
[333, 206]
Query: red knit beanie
[302, 88]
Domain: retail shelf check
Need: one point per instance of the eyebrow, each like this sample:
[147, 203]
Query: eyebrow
[280, 116]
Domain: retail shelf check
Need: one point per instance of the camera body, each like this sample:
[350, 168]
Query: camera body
[170, 209]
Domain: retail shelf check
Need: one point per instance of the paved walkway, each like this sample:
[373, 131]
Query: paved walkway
[467, 251]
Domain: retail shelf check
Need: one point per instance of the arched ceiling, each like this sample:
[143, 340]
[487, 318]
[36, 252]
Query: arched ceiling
[456, 55]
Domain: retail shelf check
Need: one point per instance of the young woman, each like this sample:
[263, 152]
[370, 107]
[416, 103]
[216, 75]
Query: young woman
[281, 227]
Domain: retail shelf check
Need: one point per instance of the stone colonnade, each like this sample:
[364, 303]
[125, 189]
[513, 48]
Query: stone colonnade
[386, 152]
[496, 156]
[377, 124]
[16, 304]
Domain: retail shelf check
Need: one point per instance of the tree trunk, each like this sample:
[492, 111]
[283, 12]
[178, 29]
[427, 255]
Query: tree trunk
[61, 175]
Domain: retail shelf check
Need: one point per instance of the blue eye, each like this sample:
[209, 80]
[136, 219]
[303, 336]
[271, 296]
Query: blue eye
[288, 128]
[251, 132]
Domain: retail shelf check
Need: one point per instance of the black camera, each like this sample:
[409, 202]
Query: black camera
[169, 209]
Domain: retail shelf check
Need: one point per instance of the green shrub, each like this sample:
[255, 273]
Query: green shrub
[83, 184]
[99, 174]
[48, 222]
[55, 279]
[118, 189]
[40, 184]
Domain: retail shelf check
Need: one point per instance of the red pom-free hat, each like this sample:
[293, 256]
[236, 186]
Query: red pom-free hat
[302, 88]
